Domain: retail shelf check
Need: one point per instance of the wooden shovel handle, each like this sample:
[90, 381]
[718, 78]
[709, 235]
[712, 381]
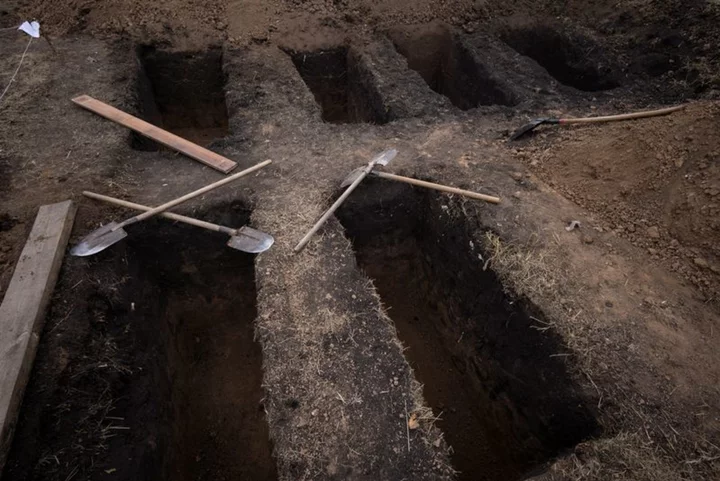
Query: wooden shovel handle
[192, 195]
[303, 242]
[440, 187]
[636, 115]
[167, 215]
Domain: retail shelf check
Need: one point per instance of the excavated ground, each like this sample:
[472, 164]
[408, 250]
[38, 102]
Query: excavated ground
[420, 335]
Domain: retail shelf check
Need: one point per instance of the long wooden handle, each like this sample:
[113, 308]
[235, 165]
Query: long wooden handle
[167, 215]
[440, 187]
[636, 115]
[192, 195]
[303, 242]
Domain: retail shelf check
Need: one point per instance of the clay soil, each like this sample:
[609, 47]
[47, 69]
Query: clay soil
[420, 335]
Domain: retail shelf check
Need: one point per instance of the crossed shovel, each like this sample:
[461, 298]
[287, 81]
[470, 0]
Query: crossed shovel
[245, 239]
[357, 176]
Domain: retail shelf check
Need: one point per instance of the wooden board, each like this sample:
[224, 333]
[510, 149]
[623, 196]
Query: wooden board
[22, 311]
[194, 151]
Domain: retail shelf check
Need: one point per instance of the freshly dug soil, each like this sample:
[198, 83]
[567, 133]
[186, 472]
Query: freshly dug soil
[502, 395]
[511, 346]
[165, 377]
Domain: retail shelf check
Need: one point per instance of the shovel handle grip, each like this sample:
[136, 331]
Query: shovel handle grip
[635, 115]
[167, 215]
[168, 205]
[440, 187]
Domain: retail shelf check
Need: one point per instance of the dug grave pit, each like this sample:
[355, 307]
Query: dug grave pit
[182, 92]
[505, 401]
[164, 381]
[342, 89]
[448, 67]
[573, 59]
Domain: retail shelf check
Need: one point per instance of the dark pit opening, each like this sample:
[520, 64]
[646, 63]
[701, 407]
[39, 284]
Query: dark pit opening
[341, 87]
[574, 60]
[507, 405]
[448, 67]
[162, 376]
[182, 92]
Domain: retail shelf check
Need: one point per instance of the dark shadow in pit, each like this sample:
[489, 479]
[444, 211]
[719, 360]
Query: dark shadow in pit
[163, 378]
[448, 67]
[574, 60]
[341, 87]
[182, 92]
[507, 406]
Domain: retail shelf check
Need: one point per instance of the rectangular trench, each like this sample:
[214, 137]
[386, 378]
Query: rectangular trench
[341, 85]
[164, 378]
[448, 66]
[182, 92]
[506, 406]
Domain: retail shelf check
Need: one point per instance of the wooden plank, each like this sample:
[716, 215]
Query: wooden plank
[22, 312]
[194, 151]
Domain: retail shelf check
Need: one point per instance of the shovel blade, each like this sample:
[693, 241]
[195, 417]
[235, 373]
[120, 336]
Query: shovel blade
[382, 159]
[99, 240]
[251, 240]
[385, 157]
[527, 128]
[352, 177]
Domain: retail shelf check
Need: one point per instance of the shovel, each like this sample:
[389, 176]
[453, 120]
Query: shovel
[421, 183]
[244, 239]
[382, 159]
[113, 232]
[590, 120]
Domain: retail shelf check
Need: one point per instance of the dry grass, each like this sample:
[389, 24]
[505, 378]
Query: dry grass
[651, 446]
[526, 268]
[627, 456]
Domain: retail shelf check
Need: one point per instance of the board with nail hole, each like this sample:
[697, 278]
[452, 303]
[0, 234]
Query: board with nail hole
[194, 151]
[23, 309]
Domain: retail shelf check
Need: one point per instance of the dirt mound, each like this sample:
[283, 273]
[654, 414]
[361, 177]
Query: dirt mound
[654, 182]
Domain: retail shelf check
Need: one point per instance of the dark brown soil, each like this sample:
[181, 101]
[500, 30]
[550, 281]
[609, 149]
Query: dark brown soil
[498, 386]
[182, 92]
[584, 354]
[446, 65]
[165, 377]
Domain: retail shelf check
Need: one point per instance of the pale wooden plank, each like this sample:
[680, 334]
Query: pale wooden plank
[194, 151]
[23, 309]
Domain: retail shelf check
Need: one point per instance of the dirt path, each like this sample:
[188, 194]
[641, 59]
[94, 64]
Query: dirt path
[519, 347]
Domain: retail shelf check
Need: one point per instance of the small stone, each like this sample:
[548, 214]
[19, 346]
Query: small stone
[652, 251]
[653, 232]
[517, 176]
[587, 239]
[608, 304]
[516, 194]
[700, 262]
[631, 228]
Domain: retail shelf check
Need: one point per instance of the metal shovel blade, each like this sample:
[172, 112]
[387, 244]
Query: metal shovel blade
[385, 157]
[527, 128]
[251, 240]
[382, 159]
[352, 177]
[99, 240]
